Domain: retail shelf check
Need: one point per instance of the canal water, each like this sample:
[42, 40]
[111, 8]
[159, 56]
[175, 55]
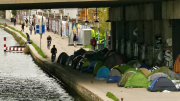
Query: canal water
[22, 80]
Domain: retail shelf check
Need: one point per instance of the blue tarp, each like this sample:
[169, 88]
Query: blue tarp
[102, 73]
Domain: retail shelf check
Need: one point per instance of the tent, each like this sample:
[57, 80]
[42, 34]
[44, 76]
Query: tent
[112, 60]
[60, 56]
[172, 75]
[135, 63]
[123, 68]
[124, 79]
[137, 80]
[85, 64]
[69, 60]
[102, 73]
[82, 63]
[156, 75]
[97, 66]
[76, 61]
[145, 71]
[64, 59]
[114, 76]
[161, 84]
[130, 69]
[144, 66]
[91, 67]
[162, 69]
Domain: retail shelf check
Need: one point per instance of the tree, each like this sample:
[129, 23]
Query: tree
[14, 13]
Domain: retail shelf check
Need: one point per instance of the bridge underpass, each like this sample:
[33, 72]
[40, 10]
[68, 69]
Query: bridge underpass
[46, 4]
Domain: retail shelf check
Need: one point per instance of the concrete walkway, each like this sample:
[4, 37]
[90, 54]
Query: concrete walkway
[99, 87]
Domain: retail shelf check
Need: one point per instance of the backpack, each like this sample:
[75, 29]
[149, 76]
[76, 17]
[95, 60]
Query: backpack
[94, 43]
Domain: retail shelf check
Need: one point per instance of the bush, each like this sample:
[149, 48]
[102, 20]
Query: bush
[26, 49]
[110, 95]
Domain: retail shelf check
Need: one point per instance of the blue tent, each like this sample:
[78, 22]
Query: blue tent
[162, 83]
[91, 67]
[102, 73]
[144, 66]
[114, 76]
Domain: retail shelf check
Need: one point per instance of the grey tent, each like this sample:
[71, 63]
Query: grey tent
[115, 72]
[155, 75]
[161, 84]
[172, 75]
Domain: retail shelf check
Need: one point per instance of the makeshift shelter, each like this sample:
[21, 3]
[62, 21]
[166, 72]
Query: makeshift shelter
[123, 68]
[134, 63]
[102, 73]
[137, 80]
[145, 71]
[114, 76]
[97, 66]
[162, 69]
[60, 56]
[85, 65]
[156, 75]
[172, 75]
[64, 59]
[91, 67]
[112, 61]
[130, 69]
[144, 66]
[161, 84]
[76, 61]
[124, 79]
[69, 60]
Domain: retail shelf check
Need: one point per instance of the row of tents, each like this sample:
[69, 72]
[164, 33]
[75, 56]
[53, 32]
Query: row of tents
[111, 66]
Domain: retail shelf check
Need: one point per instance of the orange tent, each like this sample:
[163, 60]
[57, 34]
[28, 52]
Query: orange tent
[177, 65]
[145, 71]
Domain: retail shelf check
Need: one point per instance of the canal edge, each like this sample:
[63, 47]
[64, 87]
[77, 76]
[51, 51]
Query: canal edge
[60, 73]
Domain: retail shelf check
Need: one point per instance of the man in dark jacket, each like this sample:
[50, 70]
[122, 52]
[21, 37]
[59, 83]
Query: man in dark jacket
[28, 37]
[14, 21]
[53, 51]
[22, 27]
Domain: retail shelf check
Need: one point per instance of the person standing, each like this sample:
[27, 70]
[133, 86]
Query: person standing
[26, 22]
[14, 21]
[75, 40]
[93, 43]
[28, 37]
[31, 28]
[22, 27]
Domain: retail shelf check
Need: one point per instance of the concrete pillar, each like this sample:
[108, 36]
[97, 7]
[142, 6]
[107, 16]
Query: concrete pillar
[113, 35]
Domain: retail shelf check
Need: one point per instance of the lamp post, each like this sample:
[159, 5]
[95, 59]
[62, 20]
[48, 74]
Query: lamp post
[68, 23]
[61, 23]
[77, 24]
[98, 31]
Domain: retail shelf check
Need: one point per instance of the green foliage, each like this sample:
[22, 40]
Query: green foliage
[27, 49]
[14, 12]
[40, 52]
[110, 95]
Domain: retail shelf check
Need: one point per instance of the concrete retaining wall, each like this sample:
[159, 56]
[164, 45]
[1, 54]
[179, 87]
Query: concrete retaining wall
[63, 75]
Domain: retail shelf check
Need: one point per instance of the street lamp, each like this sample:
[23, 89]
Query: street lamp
[68, 23]
[86, 22]
[60, 24]
[97, 22]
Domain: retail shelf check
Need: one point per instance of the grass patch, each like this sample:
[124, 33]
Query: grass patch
[27, 49]
[87, 46]
[110, 95]
[21, 42]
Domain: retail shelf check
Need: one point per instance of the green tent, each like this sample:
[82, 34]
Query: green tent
[97, 66]
[137, 80]
[162, 69]
[130, 69]
[123, 68]
[124, 79]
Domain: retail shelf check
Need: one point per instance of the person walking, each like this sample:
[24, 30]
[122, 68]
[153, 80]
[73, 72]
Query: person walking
[49, 39]
[31, 28]
[93, 43]
[22, 27]
[14, 21]
[75, 40]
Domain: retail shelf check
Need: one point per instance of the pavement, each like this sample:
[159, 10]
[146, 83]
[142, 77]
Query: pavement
[88, 80]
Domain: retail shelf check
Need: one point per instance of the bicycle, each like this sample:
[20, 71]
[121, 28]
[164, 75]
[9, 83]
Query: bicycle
[53, 56]
[48, 44]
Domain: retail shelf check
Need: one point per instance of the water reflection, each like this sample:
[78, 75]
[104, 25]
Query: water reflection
[22, 79]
